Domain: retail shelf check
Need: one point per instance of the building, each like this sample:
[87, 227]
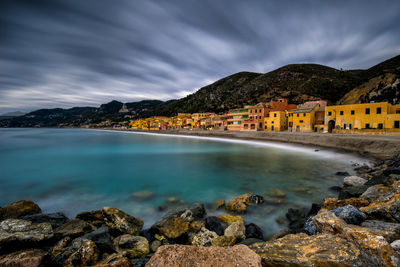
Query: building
[367, 117]
[304, 118]
[276, 121]
[251, 118]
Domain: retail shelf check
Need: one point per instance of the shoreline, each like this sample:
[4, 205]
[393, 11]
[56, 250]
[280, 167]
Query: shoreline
[372, 147]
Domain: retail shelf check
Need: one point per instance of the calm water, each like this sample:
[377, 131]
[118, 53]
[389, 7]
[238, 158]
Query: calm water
[75, 170]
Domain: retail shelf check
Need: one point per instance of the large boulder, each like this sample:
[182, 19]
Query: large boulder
[303, 250]
[388, 210]
[171, 227]
[354, 181]
[239, 204]
[180, 255]
[79, 252]
[18, 234]
[18, 209]
[334, 203]
[376, 192]
[236, 230]
[350, 214]
[136, 246]
[375, 250]
[204, 238]
[74, 229]
[390, 231]
[24, 258]
[56, 219]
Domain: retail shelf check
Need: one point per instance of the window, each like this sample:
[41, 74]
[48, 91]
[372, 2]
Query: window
[380, 125]
[367, 111]
[301, 121]
[329, 113]
[259, 111]
[272, 122]
[260, 125]
[304, 114]
[298, 114]
[397, 111]
[251, 117]
[341, 112]
[290, 124]
[251, 111]
[378, 110]
[396, 124]
[275, 115]
[352, 112]
[255, 111]
[347, 126]
[367, 126]
[291, 114]
[266, 127]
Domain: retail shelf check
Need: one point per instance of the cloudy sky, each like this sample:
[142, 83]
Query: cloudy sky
[76, 53]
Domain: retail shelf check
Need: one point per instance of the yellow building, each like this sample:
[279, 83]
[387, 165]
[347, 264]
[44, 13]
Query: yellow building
[363, 117]
[302, 119]
[276, 121]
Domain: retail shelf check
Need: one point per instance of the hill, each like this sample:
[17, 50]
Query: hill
[296, 82]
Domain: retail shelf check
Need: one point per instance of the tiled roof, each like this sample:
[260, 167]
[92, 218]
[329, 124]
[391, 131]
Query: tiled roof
[305, 108]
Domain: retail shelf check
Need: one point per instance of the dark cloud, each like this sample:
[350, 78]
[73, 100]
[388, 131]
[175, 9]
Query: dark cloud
[66, 53]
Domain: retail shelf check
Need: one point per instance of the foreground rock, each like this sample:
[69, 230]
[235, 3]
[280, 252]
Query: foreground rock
[180, 255]
[19, 234]
[390, 231]
[375, 250]
[350, 214]
[376, 192]
[384, 210]
[81, 252]
[24, 258]
[18, 209]
[303, 250]
[135, 246]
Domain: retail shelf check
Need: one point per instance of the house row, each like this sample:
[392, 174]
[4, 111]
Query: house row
[311, 116]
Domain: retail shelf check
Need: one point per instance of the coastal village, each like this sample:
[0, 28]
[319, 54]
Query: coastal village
[280, 115]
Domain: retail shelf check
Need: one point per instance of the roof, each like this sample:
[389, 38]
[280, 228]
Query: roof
[305, 108]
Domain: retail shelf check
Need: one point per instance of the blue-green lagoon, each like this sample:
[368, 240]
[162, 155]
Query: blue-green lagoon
[74, 170]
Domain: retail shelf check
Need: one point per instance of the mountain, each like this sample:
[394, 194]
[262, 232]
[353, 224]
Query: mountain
[296, 82]
[11, 115]
[382, 83]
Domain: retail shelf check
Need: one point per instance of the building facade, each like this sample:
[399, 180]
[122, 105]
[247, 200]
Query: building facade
[305, 117]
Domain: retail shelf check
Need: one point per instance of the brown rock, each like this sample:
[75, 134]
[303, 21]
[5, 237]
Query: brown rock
[188, 256]
[135, 246]
[375, 250]
[229, 219]
[219, 203]
[204, 238]
[25, 258]
[81, 252]
[304, 250]
[94, 217]
[239, 204]
[236, 230]
[383, 210]
[224, 241]
[172, 227]
[334, 203]
[114, 260]
[74, 229]
[19, 209]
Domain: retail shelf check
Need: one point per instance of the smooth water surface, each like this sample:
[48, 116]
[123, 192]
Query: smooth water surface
[73, 170]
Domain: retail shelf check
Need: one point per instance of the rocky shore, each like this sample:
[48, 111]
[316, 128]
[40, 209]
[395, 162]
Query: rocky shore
[361, 227]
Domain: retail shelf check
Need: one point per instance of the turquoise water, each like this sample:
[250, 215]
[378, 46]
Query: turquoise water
[73, 170]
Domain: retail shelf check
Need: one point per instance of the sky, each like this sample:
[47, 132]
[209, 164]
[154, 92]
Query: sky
[65, 53]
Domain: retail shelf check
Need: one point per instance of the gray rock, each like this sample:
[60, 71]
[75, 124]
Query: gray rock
[120, 222]
[350, 214]
[204, 238]
[197, 211]
[236, 230]
[56, 219]
[394, 210]
[390, 231]
[102, 238]
[215, 225]
[352, 191]
[354, 181]
[376, 192]
[309, 227]
[136, 246]
[155, 245]
[16, 234]
[396, 245]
